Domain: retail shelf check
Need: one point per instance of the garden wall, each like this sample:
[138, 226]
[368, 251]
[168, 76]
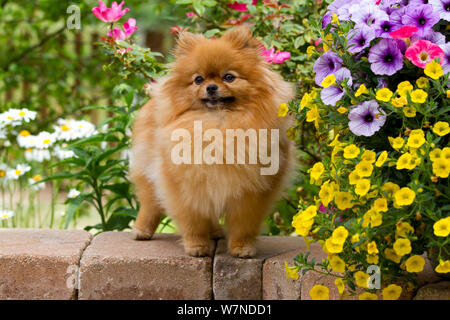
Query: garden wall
[53, 264]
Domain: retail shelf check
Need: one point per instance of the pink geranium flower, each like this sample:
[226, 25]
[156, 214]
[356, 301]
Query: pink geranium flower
[404, 32]
[241, 6]
[109, 14]
[275, 57]
[129, 28]
[422, 52]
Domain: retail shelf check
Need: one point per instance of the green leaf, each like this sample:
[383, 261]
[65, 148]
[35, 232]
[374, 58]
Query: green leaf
[210, 33]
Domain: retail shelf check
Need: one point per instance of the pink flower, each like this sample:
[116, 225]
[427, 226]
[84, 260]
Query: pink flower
[129, 28]
[241, 6]
[177, 29]
[275, 57]
[404, 32]
[109, 14]
[422, 52]
[190, 14]
[122, 51]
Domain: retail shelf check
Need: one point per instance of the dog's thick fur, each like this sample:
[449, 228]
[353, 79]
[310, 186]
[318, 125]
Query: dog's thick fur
[197, 195]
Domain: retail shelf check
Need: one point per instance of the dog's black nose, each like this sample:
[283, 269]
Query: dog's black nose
[212, 89]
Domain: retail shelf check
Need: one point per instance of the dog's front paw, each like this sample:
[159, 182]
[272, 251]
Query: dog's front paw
[245, 251]
[141, 235]
[198, 251]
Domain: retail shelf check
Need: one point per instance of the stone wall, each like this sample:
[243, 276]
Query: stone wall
[54, 264]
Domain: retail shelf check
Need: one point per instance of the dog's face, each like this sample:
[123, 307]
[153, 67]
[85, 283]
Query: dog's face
[217, 73]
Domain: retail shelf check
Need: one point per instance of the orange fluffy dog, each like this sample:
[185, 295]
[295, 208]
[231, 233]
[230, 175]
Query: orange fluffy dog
[225, 84]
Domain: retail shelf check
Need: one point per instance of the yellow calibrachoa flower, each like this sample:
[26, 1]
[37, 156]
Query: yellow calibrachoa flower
[342, 110]
[441, 128]
[396, 143]
[326, 194]
[313, 115]
[361, 90]
[415, 264]
[343, 200]
[351, 151]
[364, 169]
[283, 110]
[328, 81]
[415, 141]
[310, 50]
[362, 187]
[310, 212]
[372, 258]
[361, 279]
[391, 255]
[339, 235]
[353, 177]
[327, 39]
[442, 227]
[317, 171]
[402, 246]
[369, 156]
[302, 225]
[404, 87]
[368, 296]
[340, 285]
[443, 267]
[402, 229]
[319, 292]
[409, 112]
[419, 96]
[404, 197]
[406, 161]
[306, 100]
[355, 238]
[333, 247]
[291, 272]
[372, 218]
[441, 168]
[390, 188]
[372, 248]
[380, 205]
[435, 154]
[384, 94]
[434, 70]
[445, 153]
[422, 82]
[381, 159]
[391, 292]
[337, 264]
[399, 102]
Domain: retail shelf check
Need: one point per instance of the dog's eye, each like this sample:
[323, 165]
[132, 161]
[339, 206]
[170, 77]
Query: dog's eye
[199, 80]
[229, 77]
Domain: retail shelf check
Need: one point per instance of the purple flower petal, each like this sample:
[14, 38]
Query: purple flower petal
[366, 118]
[385, 57]
[327, 64]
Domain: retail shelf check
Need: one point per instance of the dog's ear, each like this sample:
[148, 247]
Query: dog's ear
[241, 38]
[185, 42]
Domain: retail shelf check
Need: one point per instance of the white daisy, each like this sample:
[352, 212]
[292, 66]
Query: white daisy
[19, 171]
[45, 139]
[38, 155]
[35, 179]
[6, 214]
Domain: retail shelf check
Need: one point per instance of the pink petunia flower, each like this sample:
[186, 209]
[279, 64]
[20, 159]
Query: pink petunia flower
[129, 28]
[422, 52]
[404, 32]
[242, 7]
[109, 14]
[275, 57]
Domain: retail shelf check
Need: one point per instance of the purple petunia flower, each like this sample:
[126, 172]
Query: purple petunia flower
[359, 38]
[385, 27]
[442, 7]
[326, 20]
[435, 37]
[327, 64]
[396, 17]
[334, 93]
[446, 58]
[341, 8]
[366, 118]
[385, 57]
[421, 16]
[370, 15]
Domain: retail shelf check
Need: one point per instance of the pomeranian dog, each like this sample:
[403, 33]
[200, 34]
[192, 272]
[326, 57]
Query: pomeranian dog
[225, 84]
